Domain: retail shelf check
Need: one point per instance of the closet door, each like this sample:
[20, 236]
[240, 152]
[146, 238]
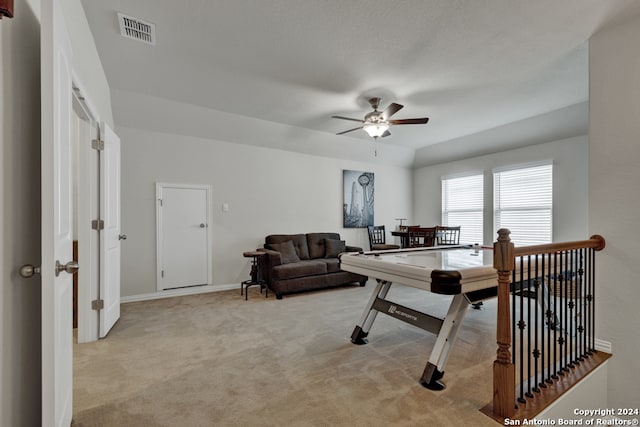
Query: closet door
[184, 255]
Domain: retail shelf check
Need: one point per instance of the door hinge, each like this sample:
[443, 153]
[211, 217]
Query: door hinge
[97, 144]
[162, 274]
[160, 200]
[97, 224]
[97, 304]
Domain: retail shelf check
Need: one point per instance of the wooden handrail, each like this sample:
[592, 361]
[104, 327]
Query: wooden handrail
[596, 242]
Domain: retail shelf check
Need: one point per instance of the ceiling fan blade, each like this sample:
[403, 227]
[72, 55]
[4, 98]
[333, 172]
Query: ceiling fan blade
[386, 133]
[391, 110]
[420, 121]
[348, 118]
[350, 130]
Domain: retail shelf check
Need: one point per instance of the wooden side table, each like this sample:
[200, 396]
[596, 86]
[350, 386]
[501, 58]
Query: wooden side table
[256, 276]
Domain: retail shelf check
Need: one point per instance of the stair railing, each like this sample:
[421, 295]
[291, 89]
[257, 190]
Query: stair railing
[546, 323]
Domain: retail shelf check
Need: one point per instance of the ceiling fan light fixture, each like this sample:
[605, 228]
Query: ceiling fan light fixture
[376, 123]
[375, 130]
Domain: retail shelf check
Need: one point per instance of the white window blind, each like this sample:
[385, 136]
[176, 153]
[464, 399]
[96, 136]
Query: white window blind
[462, 204]
[523, 203]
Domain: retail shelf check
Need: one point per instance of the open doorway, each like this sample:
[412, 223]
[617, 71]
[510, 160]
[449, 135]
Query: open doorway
[96, 222]
[85, 205]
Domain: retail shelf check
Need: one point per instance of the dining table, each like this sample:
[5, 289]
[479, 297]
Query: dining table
[404, 237]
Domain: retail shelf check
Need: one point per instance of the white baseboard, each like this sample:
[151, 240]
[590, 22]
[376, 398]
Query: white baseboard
[602, 345]
[193, 290]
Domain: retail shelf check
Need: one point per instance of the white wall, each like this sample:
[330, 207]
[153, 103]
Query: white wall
[570, 188]
[269, 191]
[20, 216]
[614, 199]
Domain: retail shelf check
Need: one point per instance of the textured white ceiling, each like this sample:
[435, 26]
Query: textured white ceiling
[469, 65]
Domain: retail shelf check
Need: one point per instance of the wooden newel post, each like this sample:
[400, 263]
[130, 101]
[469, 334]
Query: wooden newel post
[504, 383]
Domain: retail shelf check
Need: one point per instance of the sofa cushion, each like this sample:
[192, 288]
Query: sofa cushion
[315, 243]
[333, 264]
[333, 248]
[299, 269]
[287, 251]
[299, 242]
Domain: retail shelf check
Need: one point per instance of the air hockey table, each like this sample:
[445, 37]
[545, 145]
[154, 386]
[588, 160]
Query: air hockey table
[466, 272]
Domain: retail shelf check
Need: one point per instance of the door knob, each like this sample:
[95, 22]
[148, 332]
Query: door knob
[202, 225]
[70, 267]
[29, 270]
[122, 237]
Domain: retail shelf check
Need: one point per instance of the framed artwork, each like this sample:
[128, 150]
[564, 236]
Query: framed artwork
[358, 190]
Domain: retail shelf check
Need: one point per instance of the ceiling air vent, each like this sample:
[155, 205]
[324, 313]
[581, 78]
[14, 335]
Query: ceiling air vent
[137, 29]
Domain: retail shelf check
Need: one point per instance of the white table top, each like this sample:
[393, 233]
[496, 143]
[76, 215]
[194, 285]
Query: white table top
[415, 267]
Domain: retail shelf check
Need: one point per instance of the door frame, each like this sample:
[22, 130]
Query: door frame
[87, 209]
[89, 189]
[159, 235]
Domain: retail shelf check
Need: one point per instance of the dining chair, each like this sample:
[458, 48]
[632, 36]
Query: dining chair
[420, 237]
[446, 235]
[377, 239]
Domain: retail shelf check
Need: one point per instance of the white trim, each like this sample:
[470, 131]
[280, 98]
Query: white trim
[462, 174]
[522, 165]
[88, 250]
[87, 197]
[194, 290]
[79, 89]
[602, 345]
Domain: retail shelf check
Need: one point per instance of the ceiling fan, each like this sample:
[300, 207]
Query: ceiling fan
[377, 123]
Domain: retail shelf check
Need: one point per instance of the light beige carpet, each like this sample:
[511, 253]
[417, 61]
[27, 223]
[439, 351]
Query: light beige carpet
[217, 360]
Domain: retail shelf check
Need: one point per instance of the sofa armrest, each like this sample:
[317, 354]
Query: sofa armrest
[272, 259]
[352, 249]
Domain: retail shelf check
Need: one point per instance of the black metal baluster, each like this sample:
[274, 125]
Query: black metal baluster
[563, 311]
[529, 352]
[545, 322]
[514, 343]
[536, 349]
[556, 317]
[592, 296]
[550, 321]
[514, 322]
[571, 304]
[580, 298]
[521, 326]
[567, 331]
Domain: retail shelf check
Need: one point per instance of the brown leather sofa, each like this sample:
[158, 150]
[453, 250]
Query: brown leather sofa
[302, 262]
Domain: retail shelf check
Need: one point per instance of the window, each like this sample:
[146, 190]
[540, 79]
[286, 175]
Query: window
[523, 199]
[462, 204]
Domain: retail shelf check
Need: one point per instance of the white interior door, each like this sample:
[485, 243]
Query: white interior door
[183, 236]
[57, 225]
[110, 237]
